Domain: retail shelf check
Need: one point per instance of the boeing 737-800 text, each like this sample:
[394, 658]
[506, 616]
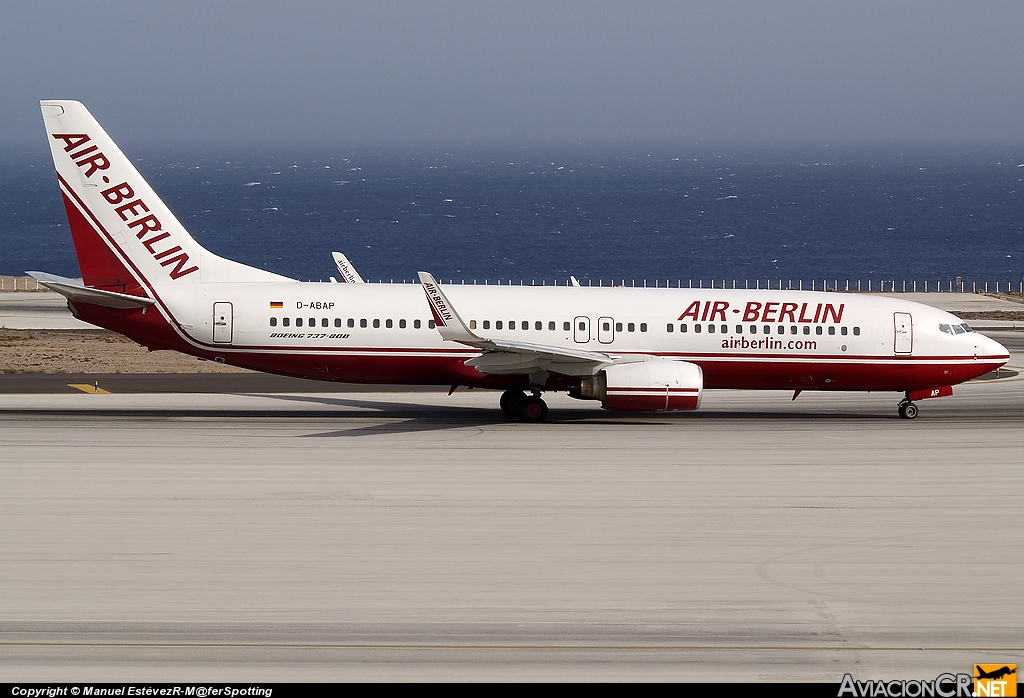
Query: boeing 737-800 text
[639, 349]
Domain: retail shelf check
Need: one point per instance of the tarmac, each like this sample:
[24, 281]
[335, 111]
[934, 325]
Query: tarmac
[251, 536]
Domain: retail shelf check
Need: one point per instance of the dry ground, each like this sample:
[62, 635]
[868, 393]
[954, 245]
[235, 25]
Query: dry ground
[92, 351]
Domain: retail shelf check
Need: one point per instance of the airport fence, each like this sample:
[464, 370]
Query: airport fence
[957, 285]
[20, 283]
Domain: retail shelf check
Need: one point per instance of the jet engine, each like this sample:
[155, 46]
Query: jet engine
[653, 385]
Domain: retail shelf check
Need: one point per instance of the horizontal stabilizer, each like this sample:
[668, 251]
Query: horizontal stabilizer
[75, 290]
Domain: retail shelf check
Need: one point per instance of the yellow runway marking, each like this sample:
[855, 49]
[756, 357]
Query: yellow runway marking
[86, 388]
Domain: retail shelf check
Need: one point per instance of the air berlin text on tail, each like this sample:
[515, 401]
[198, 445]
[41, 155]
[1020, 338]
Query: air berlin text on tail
[133, 211]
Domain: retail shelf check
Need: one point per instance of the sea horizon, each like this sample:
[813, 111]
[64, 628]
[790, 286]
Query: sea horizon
[671, 213]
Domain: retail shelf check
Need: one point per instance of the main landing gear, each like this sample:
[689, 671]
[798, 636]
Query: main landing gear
[907, 409]
[529, 408]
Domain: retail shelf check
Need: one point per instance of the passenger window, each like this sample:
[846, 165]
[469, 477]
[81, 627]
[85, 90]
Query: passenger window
[566, 327]
[273, 322]
[416, 324]
[807, 329]
[401, 324]
[285, 321]
[696, 328]
[312, 322]
[618, 327]
[362, 322]
[497, 324]
[351, 322]
[487, 324]
[739, 329]
[711, 329]
[583, 325]
[511, 324]
[842, 331]
[298, 322]
[551, 326]
[337, 322]
[682, 327]
[792, 329]
[525, 324]
[606, 326]
[670, 327]
[539, 325]
[631, 327]
[767, 329]
[472, 324]
[388, 323]
[376, 322]
[431, 324]
[817, 330]
[643, 326]
[725, 329]
[832, 329]
[325, 322]
[753, 329]
[856, 332]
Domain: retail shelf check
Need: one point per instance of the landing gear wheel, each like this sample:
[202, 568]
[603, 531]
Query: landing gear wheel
[532, 409]
[908, 410]
[510, 401]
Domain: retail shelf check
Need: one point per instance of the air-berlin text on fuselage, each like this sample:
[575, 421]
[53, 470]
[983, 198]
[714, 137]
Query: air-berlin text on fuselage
[772, 311]
[132, 210]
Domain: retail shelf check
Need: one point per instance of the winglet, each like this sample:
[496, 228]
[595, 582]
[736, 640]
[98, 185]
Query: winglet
[448, 322]
[345, 268]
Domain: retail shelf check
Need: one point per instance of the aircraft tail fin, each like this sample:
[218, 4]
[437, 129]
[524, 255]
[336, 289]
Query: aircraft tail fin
[125, 236]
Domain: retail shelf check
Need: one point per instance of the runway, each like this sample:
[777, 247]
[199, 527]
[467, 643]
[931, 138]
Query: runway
[297, 536]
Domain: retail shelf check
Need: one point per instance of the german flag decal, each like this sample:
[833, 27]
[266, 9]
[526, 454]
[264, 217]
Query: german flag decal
[276, 304]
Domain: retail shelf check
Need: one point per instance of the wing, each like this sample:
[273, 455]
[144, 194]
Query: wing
[501, 356]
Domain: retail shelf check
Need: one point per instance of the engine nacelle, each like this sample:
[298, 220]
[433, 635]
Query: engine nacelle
[655, 385]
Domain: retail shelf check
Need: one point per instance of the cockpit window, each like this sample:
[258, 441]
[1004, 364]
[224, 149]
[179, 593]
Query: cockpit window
[967, 328]
[958, 329]
[945, 328]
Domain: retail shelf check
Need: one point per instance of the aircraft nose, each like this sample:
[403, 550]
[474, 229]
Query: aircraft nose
[990, 347]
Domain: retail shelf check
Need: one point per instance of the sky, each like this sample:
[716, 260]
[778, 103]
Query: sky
[522, 72]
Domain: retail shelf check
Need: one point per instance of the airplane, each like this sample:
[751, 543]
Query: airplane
[996, 674]
[631, 349]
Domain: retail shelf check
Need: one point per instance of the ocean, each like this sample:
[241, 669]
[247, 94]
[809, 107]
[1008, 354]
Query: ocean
[535, 215]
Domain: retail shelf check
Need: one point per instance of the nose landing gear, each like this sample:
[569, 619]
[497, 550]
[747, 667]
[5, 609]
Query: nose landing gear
[529, 408]
[907, 409]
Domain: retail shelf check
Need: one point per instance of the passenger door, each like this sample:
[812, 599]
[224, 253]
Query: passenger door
[904, 328]
[222, 323]
[605, 330]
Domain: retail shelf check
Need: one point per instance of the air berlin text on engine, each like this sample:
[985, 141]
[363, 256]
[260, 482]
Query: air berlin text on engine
[133, 211]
